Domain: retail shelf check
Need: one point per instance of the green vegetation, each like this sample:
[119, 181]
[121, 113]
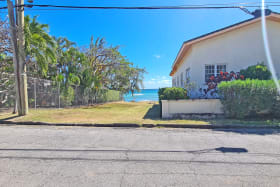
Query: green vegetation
[250, 98]
[109, 96]
[259, 71]
[172, 93]
[39, 46]
[120, 112]
[93, 69]
[109, 113]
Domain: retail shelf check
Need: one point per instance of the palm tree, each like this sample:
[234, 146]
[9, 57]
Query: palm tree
[39, 46]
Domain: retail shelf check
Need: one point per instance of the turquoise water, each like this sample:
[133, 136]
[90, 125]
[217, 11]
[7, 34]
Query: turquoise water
[143, 95]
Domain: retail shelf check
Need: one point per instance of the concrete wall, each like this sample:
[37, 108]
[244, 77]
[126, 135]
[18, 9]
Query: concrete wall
[237, 49]
[173, 108]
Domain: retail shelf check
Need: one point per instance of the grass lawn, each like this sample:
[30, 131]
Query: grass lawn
[118, 112]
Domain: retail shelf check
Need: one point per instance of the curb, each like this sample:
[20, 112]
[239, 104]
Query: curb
[127, 125]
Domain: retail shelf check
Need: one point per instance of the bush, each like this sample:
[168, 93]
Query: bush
[160, 92]
[172, 93]
[250, 98]
[67, 96]
[259, 71]
[108, 96]
[213, 81]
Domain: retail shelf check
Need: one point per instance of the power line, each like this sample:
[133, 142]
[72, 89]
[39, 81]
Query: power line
[142, 7]
[241, 6]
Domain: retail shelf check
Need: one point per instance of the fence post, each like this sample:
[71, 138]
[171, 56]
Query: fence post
[59, 95]
[35, 94]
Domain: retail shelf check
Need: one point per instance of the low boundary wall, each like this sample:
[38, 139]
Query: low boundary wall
[192, 108]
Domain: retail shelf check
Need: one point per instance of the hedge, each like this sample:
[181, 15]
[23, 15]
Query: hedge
[259, 71]
[171, 94]
[109, 96]
[250, 98]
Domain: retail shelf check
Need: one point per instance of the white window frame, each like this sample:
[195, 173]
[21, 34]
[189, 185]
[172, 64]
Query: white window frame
[174, 82]
[182, 79]
[216, 72]
[216, 68]
[188, 75]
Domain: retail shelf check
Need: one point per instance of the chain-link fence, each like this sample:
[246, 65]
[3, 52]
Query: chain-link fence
[44, 93]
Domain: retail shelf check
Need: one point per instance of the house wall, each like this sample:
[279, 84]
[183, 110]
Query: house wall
[237, 49]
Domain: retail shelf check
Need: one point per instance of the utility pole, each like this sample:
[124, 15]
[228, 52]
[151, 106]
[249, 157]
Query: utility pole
[17, 38]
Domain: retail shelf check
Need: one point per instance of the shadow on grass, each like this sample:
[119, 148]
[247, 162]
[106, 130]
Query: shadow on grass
[153, 113]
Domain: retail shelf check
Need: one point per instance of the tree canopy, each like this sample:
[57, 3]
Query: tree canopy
[93, 68]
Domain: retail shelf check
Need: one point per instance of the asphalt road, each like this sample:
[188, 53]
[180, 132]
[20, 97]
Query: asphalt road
[64, 156]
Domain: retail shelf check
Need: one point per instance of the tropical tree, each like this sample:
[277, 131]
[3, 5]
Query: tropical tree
[91, 70]
[7, 95]
[39, 46]
[68, 68]
[5, 44]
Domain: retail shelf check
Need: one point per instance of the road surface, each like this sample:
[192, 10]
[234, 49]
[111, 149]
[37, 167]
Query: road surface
[74, 156]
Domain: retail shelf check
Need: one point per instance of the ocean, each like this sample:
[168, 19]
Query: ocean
[143, 95]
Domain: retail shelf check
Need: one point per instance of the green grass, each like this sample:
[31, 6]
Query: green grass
[118, 112]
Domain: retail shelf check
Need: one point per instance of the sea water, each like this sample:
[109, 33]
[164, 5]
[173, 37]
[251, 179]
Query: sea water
[143, 95]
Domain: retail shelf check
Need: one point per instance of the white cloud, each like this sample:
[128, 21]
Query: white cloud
[157, 56]
[158, 82]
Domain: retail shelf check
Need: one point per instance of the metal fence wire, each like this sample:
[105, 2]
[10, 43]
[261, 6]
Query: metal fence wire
[44, 93]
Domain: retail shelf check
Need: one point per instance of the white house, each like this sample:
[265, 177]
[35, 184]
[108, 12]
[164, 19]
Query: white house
[228, 49]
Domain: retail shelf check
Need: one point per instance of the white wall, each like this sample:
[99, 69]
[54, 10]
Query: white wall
[191, 106]
[237, 49]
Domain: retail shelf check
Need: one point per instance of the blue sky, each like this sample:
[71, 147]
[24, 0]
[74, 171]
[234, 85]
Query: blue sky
[150, 39]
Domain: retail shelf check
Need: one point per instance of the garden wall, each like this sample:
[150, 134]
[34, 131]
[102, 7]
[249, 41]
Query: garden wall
[192, 108]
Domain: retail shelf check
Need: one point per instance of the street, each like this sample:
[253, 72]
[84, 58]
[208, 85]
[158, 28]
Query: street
[76, 156]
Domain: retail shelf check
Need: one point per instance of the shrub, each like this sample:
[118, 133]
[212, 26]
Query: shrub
[108, 96]
[250, 98]
[67, 96]
[160, 92]
[212, 82]
[173, 94]
[259, 71]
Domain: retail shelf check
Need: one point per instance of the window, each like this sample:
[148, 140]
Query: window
[174, 82]
[214, 70]
[209, 71]
[177, 81]
[182, 79]
[188, 75]
[220, 68]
